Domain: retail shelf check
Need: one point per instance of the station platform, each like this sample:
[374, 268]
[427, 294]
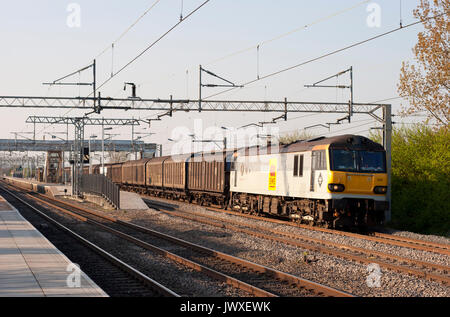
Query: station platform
[53, 190]
[128, 201]
[131, 201]
[30, 266]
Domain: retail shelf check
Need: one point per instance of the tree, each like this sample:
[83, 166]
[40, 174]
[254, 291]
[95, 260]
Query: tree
[295, 136]
[425, 83]
[117, 157]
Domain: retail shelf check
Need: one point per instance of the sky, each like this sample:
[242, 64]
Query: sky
[39, 45]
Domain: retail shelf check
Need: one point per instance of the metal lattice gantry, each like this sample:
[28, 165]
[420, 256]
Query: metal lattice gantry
[97, 104]
[169, 104]
[84, 120]
[78, 146]
[18, 145]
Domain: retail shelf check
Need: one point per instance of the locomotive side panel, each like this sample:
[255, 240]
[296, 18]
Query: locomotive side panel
[273, 175]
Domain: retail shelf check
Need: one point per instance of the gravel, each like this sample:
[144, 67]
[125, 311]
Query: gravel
[178, 278]
[344, 240]
[329, 270]
[412, 235]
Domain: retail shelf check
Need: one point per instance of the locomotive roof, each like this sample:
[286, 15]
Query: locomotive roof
[347, 141]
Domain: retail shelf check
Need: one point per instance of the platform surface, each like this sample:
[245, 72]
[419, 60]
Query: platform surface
[31, 266]
[131, 201]
[52, 189]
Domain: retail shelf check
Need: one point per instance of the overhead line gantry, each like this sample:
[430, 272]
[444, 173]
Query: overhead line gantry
[97, 104]
[78, 149]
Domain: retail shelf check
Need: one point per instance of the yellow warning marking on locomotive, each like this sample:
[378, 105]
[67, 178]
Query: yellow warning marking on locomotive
[273, 174]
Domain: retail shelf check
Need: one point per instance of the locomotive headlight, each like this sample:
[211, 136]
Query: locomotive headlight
[380, 190]
[336, 188]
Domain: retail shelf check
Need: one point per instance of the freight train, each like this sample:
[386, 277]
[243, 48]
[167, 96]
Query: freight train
[332, 182]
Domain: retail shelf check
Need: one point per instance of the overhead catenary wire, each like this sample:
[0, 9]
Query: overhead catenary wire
[128, 29]
[112, 46]
[365, 122]
[182, 8]
[352, 46]
[280, 36]
[151, 45]
[258, 46]
[327, 54]
[146, 49]
[287, 132]
[112, 59]
[388, 99]
[351, 128]
[402, 97]
[112, 49]
[401, 15]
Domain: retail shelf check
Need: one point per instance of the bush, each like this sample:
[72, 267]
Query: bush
[421, 180]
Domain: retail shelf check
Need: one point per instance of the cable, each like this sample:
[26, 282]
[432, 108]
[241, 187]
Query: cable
[151, 45]
[328, 54]
[302, 117]
[145, 50]
[282, 35]
[288, 33]
[181, 13]
[389, 99]
[112, 59]
[112, 48]
[401, 16]
[415, 123]
[351, 128]
[128, 29]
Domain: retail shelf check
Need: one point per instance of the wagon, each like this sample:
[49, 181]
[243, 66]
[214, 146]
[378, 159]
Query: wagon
[133, 173]
[208, 177]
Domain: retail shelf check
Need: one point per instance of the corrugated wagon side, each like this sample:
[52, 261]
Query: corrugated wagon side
[133, 174]
[208, 178]
[114, 172]
[154, 175]
[175, 172]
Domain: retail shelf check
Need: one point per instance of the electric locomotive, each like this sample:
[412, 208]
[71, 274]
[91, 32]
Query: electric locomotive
[334, 182]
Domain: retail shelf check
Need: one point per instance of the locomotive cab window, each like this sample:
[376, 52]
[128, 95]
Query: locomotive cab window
[319, 160]
[298, 165]
[358, 161]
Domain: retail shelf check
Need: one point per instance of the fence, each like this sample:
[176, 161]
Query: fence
[101, 185]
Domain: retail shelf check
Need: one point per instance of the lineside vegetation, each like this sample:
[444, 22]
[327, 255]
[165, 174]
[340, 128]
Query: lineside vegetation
[420, 179]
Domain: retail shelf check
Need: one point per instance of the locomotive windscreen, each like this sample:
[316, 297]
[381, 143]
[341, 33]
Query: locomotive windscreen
[358, 161]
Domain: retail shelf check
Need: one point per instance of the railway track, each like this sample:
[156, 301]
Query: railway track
[115, 277]
[416, 244]
[255, 279]
[422, 269]
[438, 248]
